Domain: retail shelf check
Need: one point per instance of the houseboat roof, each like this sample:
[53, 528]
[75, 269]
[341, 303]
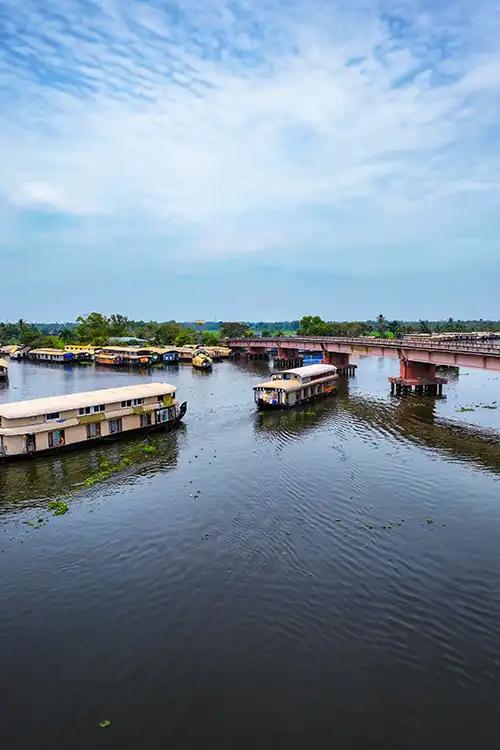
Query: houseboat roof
[128, 349]
[36, 406]
[4, 363]
[311, 371]
[47, 350]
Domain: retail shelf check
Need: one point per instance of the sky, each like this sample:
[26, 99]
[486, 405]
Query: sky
[250, 159]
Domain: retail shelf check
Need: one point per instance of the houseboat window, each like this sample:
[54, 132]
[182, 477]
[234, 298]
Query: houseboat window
[146, 419]
[53, 415]
[137, 401]
[30, 443]
[115, 425]
[56, 438]
[127, 403]
[162, 415]
[93, 430]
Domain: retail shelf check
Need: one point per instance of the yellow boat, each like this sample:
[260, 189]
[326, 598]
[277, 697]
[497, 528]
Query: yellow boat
[202, 361]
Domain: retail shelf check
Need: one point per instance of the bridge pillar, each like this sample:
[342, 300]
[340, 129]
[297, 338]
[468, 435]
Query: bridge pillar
[417, 377]
[341, 362]
[254, 352]
[288, 358]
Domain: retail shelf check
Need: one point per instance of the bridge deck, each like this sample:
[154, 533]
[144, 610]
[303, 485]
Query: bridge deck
[482, 354]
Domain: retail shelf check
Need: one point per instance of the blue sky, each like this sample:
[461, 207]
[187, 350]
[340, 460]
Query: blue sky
[256, 159]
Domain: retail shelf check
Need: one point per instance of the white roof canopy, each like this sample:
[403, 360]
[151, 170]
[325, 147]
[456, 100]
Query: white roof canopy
[34, 407]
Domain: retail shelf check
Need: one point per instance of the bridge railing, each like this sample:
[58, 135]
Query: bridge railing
[455, 346]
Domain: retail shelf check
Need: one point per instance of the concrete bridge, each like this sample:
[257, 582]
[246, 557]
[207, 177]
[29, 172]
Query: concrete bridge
[417, 359]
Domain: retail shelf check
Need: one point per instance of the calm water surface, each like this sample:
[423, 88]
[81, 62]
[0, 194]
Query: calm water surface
[327, 577]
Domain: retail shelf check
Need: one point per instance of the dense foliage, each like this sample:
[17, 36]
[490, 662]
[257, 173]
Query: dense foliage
[98, 329]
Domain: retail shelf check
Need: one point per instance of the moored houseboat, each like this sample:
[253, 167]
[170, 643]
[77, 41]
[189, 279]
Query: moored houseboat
[54, 356]
[122, 356]
[201, 360]
[291, 387]
[160, 354]
[4, 369]
[43, 425]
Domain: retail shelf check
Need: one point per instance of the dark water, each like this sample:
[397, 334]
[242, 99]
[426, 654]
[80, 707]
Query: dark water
[326, 577]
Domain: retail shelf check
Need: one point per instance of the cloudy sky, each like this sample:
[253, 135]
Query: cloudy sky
[257, 159]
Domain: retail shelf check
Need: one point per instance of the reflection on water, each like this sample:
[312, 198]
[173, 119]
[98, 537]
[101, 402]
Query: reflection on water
[25, 482]
[324, 576]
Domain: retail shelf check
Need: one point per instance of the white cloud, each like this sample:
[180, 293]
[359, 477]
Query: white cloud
[313, 113]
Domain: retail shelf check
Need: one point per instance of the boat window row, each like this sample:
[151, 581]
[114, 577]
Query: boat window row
[133, 402]
[91, 409]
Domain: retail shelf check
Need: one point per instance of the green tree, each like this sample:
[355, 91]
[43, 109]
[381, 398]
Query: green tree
[381, 324]
[234, 330]
[118, 325]
[167, 332]
[186, 336]
[210, 338]
[93, 329]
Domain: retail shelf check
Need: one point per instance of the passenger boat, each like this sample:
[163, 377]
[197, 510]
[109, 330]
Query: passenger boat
[122, 356]
[291, 387]
[43, 425]
[4, 369]
[201, 360]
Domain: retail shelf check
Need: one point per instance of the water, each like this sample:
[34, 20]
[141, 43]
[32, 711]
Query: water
[324, 577]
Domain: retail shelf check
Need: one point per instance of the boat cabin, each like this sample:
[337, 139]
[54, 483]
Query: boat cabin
[55, 356]
[45, 424]
[4, 369]
[122, 356]
[160, 354]
[290, 387]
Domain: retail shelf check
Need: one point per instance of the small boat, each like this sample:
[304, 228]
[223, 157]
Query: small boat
[49, 425]
[4, 369]
[291, 387]
[201, 360]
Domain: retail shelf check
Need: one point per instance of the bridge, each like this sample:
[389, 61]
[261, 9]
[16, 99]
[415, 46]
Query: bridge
[418, 358]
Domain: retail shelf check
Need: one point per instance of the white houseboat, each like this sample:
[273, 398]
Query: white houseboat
[54, 356]
[42, 425]
[290, 387]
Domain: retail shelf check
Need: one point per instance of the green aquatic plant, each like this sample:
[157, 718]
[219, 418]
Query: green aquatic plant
[59, 507]
[107, 469]
[105, 723]
[465, 408]
[149, 449]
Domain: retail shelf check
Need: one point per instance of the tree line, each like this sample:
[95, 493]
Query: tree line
[98, 330]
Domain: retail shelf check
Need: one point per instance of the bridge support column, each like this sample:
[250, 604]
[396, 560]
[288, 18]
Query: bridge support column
[341, 362]
[288, 358]
[255, 353]
[417, 377]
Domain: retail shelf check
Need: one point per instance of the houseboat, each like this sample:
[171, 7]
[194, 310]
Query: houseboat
[83, 352]
[54, 356]
[122, 356]
[291, 387]
[160, 354]
[4, 369]
[201, 360]
[43, 425]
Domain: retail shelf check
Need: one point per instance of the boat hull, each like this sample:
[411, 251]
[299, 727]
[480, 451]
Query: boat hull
[164, 426]
[265, 406]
